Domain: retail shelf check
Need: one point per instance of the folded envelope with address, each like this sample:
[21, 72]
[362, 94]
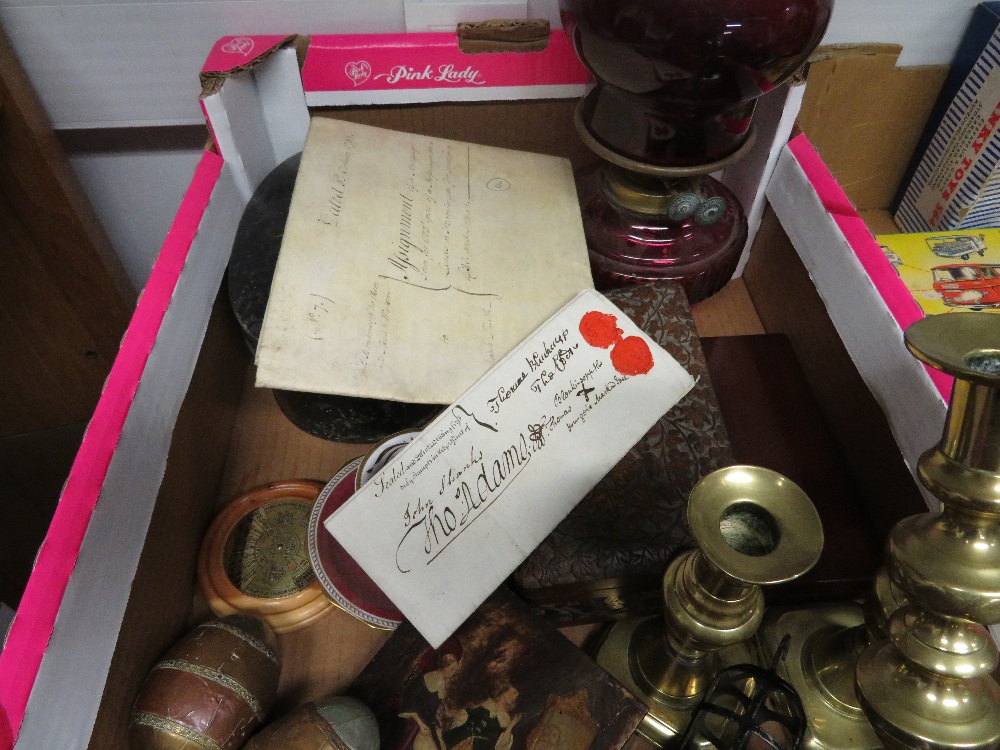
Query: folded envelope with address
[458, 509]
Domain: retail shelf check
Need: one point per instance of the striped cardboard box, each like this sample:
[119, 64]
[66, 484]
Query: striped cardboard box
[952, 182]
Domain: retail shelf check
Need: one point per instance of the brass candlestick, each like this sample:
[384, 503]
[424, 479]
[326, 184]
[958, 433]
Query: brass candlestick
[942, 574]
[753, 527]
[928, 684]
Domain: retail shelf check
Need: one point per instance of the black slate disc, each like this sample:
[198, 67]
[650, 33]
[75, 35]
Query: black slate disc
[251, 268]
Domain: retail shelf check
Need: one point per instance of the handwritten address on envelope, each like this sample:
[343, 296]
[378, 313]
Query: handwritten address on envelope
[458, 509]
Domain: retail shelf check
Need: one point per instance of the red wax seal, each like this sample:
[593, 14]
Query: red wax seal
[631, 356]
[600, 329]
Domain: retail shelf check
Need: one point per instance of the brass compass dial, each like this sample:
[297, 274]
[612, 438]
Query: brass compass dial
[255, 557]
[265, 553]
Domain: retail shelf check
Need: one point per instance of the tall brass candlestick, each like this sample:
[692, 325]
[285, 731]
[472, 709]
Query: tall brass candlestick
[753, 527]
[928, 684]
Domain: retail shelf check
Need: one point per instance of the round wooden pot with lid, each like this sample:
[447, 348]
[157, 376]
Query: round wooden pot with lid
[255, 557]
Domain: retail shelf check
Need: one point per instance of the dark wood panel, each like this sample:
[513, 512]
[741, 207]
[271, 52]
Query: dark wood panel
[541, 126]
[65, 299]
[51, 365]
[33, 468]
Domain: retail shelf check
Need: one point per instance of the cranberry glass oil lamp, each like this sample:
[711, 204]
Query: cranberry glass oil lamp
[676, 82]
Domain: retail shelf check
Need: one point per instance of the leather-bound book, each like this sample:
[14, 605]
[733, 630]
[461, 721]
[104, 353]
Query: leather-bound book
[606, 559]
[505, 679]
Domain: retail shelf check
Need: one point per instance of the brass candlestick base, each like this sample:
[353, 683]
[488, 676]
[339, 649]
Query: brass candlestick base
[753, 527]
[668, 716]
[824, 645]
[929, 684]
[823, 648]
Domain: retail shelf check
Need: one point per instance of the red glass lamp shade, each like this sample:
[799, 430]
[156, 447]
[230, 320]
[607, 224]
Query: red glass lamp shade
[677, 80]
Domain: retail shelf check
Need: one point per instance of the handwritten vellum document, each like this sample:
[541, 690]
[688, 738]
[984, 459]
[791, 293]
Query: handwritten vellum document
[457, 510]
[410, 265]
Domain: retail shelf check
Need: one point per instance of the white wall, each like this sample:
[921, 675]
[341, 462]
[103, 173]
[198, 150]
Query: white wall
[135, 195]
[102, 63]
[929, 30]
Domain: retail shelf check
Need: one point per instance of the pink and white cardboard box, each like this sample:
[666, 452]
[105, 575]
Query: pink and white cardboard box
[58, 651]
[867, 302]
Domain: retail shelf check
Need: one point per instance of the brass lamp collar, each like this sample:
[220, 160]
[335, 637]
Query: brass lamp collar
[645, 194]
[614, 157]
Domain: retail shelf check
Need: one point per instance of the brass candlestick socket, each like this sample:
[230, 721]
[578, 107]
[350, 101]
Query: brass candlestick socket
[753, 527]
[928, 685]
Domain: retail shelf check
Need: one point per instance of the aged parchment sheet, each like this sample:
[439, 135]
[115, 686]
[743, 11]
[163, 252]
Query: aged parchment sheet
[410, 265]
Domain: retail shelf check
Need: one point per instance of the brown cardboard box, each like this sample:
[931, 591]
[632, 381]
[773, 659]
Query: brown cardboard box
[228, 436]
